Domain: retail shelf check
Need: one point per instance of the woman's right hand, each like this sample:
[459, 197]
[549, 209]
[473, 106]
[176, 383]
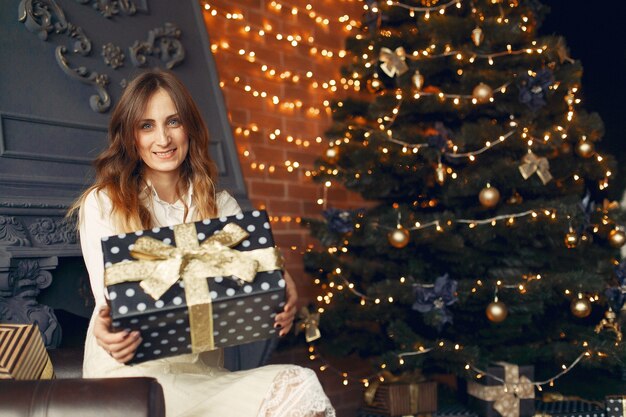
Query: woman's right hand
[120, 345]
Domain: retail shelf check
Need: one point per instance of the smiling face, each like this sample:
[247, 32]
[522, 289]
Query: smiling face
[161, 138]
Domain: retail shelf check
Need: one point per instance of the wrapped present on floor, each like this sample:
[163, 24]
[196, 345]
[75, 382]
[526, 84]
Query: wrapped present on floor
[195, 287]
[568, 408]
[615, 405]
[454, 410]
[22, 353]
[508, 391]
[400, 396]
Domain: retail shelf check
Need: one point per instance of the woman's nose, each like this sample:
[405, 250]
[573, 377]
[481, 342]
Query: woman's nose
[163, 137]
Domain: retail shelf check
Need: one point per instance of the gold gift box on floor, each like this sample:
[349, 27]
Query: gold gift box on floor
[22, 353]
[402, 399]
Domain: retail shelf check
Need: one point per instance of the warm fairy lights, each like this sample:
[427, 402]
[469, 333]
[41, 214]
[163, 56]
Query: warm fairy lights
[324, 22]
[267, 30]
[272, 73]
[276, 134]
[273, 99]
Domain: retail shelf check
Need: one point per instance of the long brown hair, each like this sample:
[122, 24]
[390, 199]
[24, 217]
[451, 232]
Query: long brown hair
[119, 167]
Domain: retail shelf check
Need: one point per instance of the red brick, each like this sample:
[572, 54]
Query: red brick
[303, 192]
[266, 189]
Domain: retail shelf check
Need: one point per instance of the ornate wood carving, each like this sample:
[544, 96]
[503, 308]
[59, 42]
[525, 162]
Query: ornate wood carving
[110, 8]
[163, 43]
[48, 231]
[18, 302]
[113, 55]
[12, 232]
[38, 17]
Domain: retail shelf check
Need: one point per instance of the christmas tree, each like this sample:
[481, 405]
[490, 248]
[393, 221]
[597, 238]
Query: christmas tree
[487, 234]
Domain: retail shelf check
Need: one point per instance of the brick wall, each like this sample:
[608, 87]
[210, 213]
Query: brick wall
[286, 195]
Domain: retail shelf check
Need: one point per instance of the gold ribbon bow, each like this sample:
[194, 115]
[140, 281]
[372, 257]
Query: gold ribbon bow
[531, 163]
[506, 397]
[608, 205]
[309, 323]
[160, 265]
[393, 62]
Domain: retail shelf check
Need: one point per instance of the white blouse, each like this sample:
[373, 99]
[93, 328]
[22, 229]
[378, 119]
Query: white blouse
[96, 223]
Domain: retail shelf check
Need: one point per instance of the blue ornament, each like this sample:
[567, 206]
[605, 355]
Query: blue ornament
[436, 298]
[441, 139]
[533, 89]
[338, 220]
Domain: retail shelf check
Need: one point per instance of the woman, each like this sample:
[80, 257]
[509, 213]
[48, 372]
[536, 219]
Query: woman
[157, 172]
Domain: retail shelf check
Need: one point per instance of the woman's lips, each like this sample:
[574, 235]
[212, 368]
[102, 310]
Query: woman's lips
[165, 154]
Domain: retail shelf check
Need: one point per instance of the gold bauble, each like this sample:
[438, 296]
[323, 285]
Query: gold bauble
[496, 311]
[440, 172]
[399, 237]
[617, 238]
[581, 307]
[418, 80]
[585, 149]
[482, 93]
[374, 85]
[477, 36]
[331, 153]
[571, 239]
[489, 196]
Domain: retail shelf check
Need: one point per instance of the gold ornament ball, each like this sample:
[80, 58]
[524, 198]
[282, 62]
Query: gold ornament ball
[571, 240]
[584, 149]
[581, 307]
[617, 238]
[489, 197]
[482, 93]
[496, 311]
[399, 237]
[374, 85]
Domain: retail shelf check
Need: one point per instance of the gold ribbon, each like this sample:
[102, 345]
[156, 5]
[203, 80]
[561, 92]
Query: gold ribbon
[159, 266]
[531, 163]
[506, 397]
[309, 324]
[609, 205]
[393, 62]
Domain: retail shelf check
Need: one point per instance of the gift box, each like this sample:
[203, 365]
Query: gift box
[454, 410]
[615, 405]
[401, 399]
[569, 408]
[506, 390]
[22, 353]
[197, 286]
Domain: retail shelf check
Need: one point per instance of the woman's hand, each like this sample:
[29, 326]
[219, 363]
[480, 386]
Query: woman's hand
[120, 345]
[284, 320]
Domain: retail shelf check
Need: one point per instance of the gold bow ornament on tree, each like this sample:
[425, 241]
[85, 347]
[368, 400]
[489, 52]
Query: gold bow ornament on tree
[507, 397]
[159, 265]
[393, 62]
[531, 164]
[309, 324]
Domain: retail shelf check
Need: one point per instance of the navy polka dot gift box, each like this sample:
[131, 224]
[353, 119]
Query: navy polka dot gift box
[199, 284]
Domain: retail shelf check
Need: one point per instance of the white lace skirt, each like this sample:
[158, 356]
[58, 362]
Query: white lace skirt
[195, 385]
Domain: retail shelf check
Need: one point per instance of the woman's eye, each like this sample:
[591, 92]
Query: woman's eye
[174, 122]
[146, 126]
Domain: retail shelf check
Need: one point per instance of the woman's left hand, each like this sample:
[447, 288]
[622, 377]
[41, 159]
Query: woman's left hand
[284, 320]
